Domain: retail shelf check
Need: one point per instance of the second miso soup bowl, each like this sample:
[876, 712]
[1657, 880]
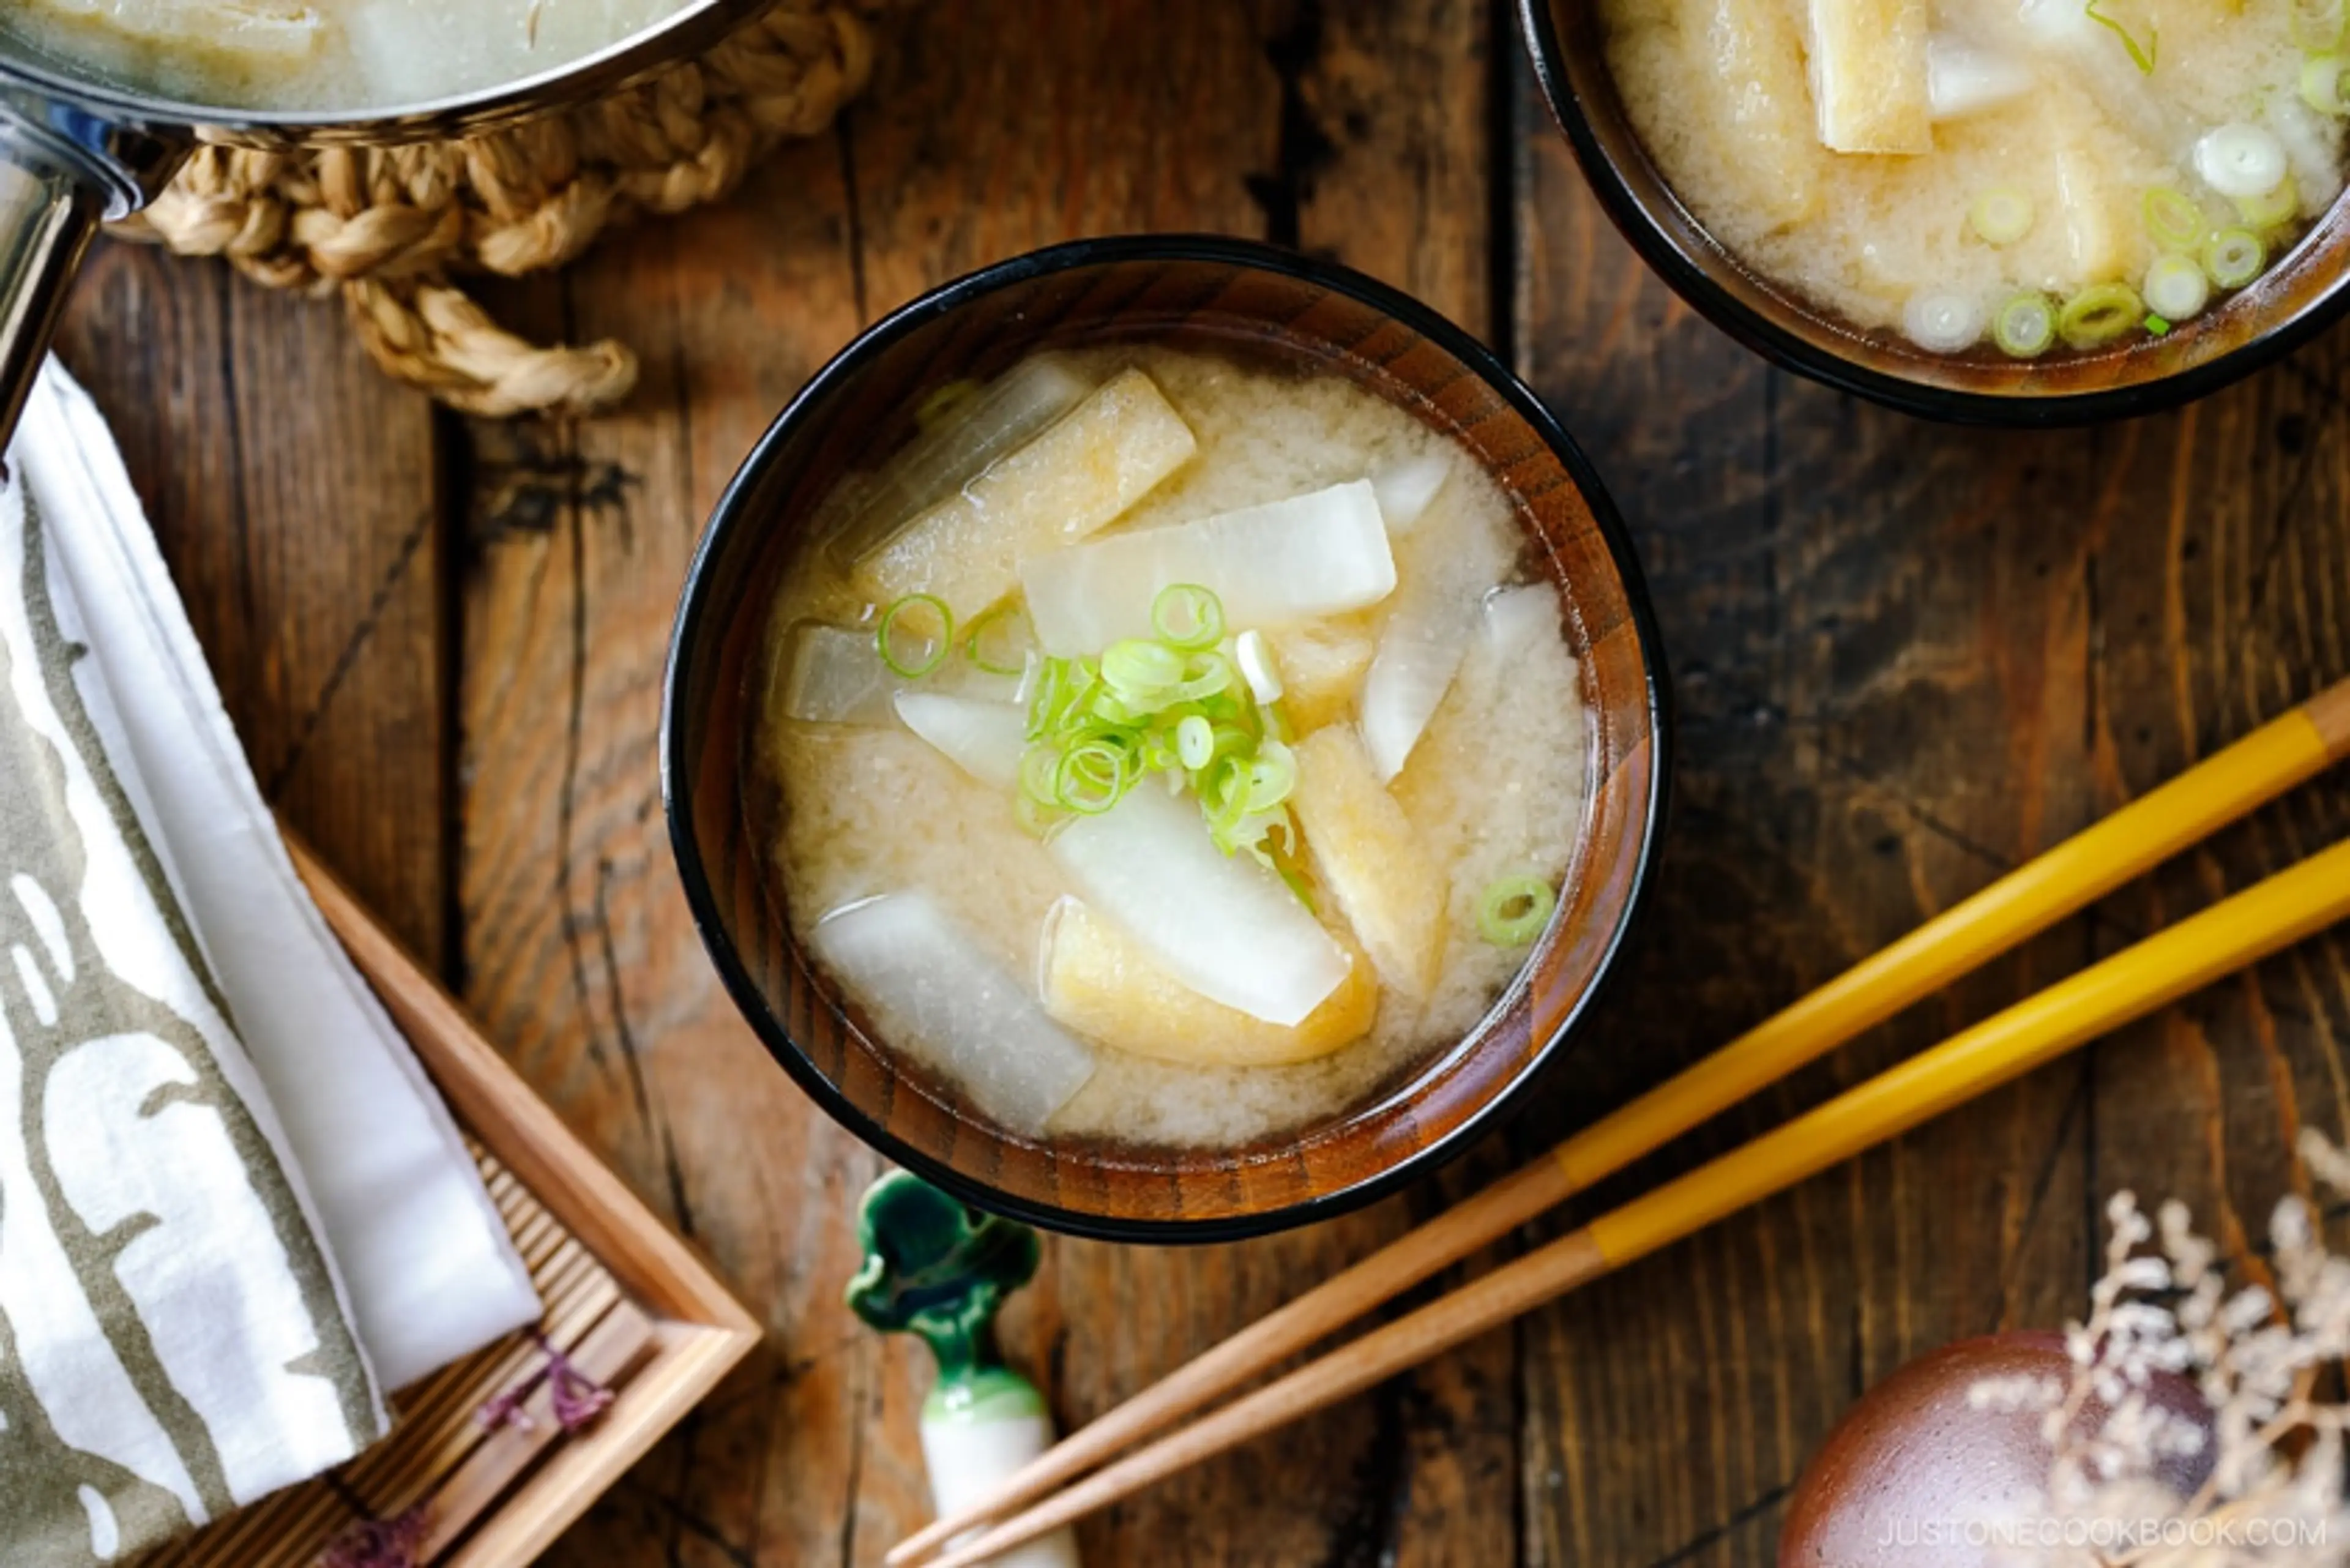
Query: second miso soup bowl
[1209, 292]
[2305, 292]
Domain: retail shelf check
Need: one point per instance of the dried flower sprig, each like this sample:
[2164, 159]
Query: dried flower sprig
[576, 1398]
[2269, 1366]
[379, 1542]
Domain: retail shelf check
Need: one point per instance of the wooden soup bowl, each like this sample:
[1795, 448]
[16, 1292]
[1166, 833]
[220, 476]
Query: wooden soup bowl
[1262, 304]
[2305, 292]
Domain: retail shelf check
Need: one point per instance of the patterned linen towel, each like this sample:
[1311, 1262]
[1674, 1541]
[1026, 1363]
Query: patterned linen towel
[431, 1273]
[173, 1339]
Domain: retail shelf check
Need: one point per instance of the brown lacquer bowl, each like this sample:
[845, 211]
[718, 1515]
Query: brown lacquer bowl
[1203, 292]
[2305, 292]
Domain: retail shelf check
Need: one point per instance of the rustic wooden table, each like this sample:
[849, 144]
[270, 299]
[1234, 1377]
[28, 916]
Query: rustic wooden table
[1908, 657]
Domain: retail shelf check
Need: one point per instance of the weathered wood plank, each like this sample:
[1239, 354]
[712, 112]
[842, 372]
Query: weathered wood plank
[1122, 117]
[1908, 657]
[294, 494]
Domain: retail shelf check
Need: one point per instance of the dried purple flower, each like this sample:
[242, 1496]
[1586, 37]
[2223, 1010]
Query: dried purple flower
[379, 1542]
[576, 1398]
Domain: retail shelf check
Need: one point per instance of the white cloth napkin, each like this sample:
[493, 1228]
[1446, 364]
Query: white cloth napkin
[429, 1270]
[173, 1341]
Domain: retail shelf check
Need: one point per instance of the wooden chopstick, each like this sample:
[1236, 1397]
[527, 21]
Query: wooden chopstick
[2160, 969]
[2084, 868]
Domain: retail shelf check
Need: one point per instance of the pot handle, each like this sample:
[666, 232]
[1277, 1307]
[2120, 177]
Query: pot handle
[48, 210]
[62, 171]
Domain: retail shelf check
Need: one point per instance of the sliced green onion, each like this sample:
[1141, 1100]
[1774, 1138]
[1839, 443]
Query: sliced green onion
[2024, 327]
[934, 409]
[1271, 776]
[2174, 219]
[1188, 617]
[2156, 326]
[2001, 215]
[1943, 323]
[1208, 675]
[2281, 205]
[2242, 159]
[1195, 742]
[2321, 83]
[987, 621]
[2177, 287]
[1037, 771]
[2142, 55]
[2100, 315]
[2317, 24]
[1513, 911]
[884, 642]
[2234, 258]
[1140, 669]
[1092, 777]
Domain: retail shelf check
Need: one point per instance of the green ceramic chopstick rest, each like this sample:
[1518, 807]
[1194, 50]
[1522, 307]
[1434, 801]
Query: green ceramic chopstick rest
[939, 1270]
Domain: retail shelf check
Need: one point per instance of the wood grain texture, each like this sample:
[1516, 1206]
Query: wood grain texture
[1907, 657]
[295, 495]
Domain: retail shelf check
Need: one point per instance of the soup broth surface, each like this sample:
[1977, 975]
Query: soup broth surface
[1494, 787]
[344, 56]
[2033, 135]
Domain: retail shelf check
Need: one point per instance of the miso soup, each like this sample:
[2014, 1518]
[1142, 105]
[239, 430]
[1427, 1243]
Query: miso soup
[336, 55]
[2007, 177]
[1170, 749]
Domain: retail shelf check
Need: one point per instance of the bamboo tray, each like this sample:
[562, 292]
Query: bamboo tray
[626, 1301]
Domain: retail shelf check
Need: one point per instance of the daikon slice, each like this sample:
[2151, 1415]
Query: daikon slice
[1870, 76]
[1076, 477]
[983, 739]
[1419, 652]
[240, 31]
[1962, 77]
[1321, 554]
[1515, 620]
[834, 675]
[1386, 883]
[1102, 982]
[1004, 415]
[1222, 925]
[945, 1003]
[2083, 51]
[1406, 488]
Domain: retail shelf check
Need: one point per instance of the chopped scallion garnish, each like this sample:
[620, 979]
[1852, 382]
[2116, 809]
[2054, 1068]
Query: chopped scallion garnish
[1513, 911]
[2174, 219]
[1176, 707]
[2001, 216]
[1195, 741]
[1188, 617]
[2278, 206]
[2321, 83]
[2234, 258]
[974, 644]
[2156, 325]
[885, 637]
[2177, 287]
[2100, 315]
[2026, 327]
[2142, 55]
[934, 409]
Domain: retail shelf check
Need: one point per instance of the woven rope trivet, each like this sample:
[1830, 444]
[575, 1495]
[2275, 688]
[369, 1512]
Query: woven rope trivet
[389, 227]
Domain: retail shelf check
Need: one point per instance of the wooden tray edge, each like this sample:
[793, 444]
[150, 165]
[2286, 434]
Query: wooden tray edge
[704, 1331]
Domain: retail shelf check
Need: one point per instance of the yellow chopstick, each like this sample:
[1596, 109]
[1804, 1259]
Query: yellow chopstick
[2248, 775]
[2160, 969]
